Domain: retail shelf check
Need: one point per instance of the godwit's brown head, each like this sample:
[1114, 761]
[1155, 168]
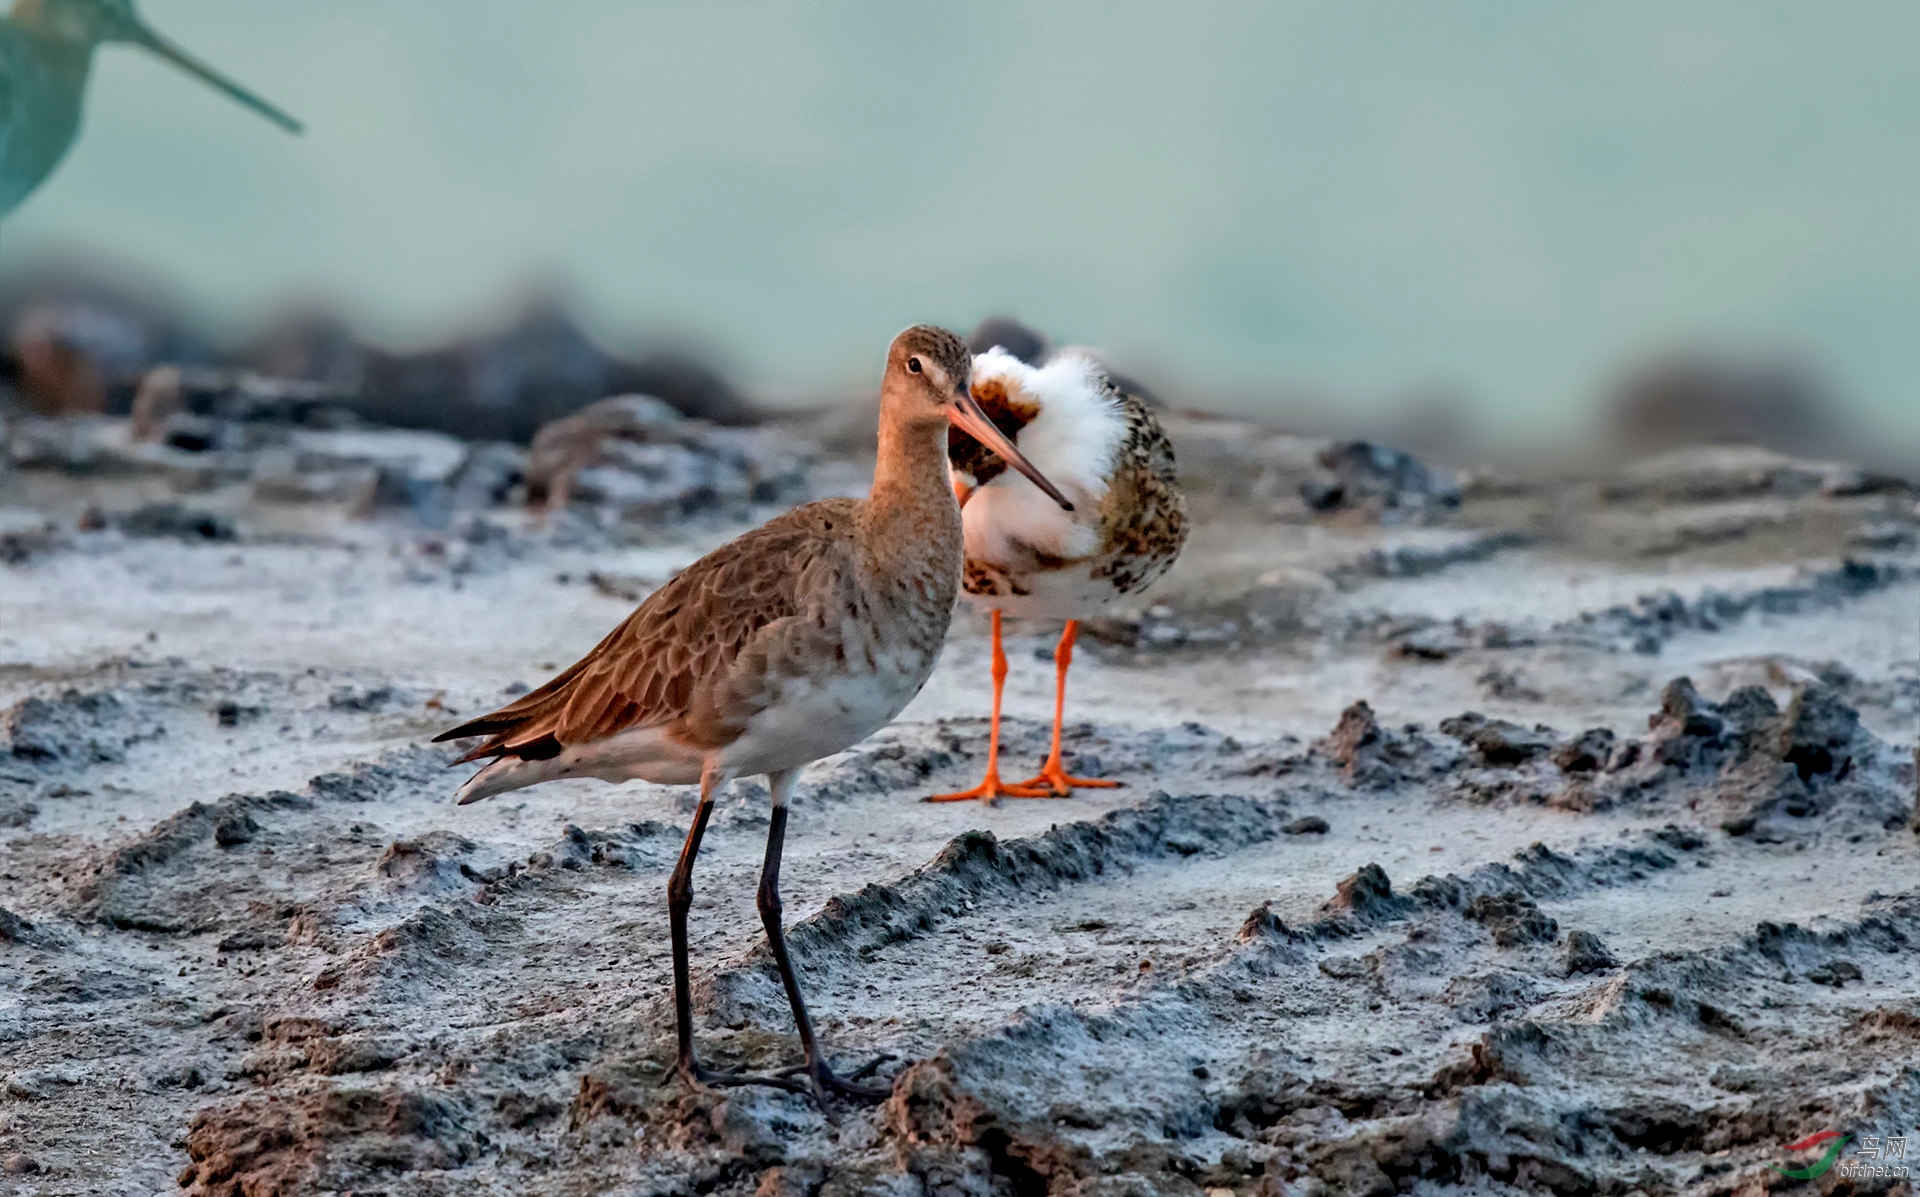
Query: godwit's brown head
[84, 24]
[929, 371]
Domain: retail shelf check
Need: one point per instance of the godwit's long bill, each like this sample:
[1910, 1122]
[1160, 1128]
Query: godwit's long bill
[1027, 556]
[786, 645]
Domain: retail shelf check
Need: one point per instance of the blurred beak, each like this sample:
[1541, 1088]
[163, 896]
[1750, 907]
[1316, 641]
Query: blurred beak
[966, 415]
[142, 36]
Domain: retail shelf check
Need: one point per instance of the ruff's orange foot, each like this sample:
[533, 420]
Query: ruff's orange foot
[1055, 782]
[991, 789]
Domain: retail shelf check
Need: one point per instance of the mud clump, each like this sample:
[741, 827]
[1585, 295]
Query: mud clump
[1512, 919]
[1758, 769]
[1367, 896]
[160, 881]
[1373, 757]
[1767, 770]
[72, 729]
[1589, 752]
[328, 1139]
[1498, 742]
[1587, 953]
[14, 929]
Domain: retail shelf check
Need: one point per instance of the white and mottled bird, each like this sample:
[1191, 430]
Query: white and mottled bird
[1026, 555]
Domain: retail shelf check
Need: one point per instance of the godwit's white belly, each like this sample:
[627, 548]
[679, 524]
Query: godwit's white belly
[816, 715]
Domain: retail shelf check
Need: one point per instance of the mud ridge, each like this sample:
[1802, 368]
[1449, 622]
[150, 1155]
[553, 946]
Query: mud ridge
[979, 870]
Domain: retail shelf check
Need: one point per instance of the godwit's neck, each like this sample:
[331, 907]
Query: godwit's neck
[911, 499]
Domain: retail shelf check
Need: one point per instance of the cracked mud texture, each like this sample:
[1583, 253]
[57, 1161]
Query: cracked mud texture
[1565, 843]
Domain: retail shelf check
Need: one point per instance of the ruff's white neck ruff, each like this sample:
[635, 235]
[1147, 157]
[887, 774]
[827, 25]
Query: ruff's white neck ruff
[1073, 439]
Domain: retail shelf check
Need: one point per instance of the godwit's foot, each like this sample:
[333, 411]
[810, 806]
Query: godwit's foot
[991, 789]
[825, 1080]
[1054, 782]
[700, 1077]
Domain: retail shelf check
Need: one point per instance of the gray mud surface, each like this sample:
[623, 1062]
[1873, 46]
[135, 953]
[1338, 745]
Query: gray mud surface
[1563, 842]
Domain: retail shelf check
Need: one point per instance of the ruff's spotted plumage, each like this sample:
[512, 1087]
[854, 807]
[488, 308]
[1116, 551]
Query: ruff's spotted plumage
[787, 645]
[1026, 556]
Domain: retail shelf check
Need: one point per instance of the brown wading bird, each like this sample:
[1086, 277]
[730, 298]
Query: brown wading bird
[46, 51]
[1027, 556]
[789, 644]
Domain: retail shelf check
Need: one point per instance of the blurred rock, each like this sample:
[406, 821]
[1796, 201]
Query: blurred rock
[1699, 397]
[77, 337]
[171, 520]
[634, 456]
[76, 342]
[1034, 347]
[507, 384]
[1361, 475]
[310, 343]
[1718, 473]
[1028, 344]
[200, 408]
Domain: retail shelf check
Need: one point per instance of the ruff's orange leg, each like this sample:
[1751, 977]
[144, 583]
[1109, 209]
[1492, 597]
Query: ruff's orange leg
[991, 786]
[1053, 781]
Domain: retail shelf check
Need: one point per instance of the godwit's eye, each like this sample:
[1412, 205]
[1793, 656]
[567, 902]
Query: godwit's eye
[913, 364]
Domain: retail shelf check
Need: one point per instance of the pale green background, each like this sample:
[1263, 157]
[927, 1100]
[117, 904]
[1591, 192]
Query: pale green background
[1508, 199]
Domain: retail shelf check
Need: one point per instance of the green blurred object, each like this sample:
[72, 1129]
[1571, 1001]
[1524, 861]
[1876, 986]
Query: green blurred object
[46, 49]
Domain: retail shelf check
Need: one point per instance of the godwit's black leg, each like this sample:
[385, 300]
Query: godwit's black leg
[816, 1068]
[679, 901]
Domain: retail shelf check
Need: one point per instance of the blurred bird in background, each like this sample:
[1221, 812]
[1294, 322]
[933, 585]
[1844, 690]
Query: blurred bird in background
[46, 50]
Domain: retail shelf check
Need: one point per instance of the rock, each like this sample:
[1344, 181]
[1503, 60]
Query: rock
[367, 699]
[1262, 924]
[1588, 753]
[1688, 730]
[1585, 952]
[72, 728]
[1364, 751]
[1512, 919]
[171, 520]
[19, 1164]
[1819, 734]
[503, 385]
[636, 457]
[282, 1146]
[431, 864]
[1361, 475]
[1307, 825]
[234, 828]
[1367, 894]
[1372, 756]
[1835, 973]
[40, 1084]
[1497, 742]
[13, 928]
[1697, 398]
[1027, 344]
[760, 1127]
